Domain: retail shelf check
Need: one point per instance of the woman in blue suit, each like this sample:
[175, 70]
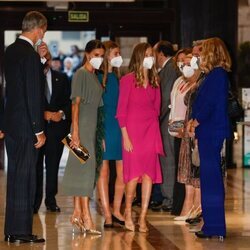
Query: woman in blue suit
[211, 125]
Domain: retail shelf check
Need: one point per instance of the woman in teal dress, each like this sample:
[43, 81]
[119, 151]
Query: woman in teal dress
[79, 179]
[112, 135]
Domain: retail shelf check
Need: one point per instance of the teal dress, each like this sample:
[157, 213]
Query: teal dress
[112, 132]
[79, 179]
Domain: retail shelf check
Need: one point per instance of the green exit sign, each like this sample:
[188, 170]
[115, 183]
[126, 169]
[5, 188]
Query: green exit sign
[78, 16]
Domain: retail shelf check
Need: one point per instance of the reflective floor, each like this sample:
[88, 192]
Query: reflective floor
[164, 232]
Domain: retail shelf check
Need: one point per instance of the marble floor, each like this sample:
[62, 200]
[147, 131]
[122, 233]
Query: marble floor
[164, 232]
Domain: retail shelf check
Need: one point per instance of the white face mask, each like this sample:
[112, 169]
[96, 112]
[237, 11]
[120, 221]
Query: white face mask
[148, 62]
[195, 62]
[96, 62]
[188, 71]
[116, 61]
[180, 65]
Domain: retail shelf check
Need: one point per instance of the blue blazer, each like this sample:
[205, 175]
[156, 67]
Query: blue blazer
[210, 107]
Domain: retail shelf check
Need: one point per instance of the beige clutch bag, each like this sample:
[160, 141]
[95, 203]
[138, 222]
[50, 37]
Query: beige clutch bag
[81, 153]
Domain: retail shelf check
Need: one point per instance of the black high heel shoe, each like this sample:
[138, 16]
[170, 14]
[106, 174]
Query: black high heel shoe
[108, 225]
[195, 220]
[200, 234]
[116, 220]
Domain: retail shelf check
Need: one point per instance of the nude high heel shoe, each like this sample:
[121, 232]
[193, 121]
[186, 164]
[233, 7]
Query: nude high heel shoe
[196, 212]
[129, 225]
[184, 217]
[142, 226]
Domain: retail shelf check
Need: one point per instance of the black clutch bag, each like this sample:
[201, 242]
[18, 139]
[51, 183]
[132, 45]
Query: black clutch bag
[81, 153]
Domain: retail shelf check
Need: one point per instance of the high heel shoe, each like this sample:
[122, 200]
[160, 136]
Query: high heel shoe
[129, 225]
[196, 212]
[194, 220]
[77, 224]
[183, 218]
[200, 234]
[90, 230]
[93, 231]
[116, 220]
[142, 228]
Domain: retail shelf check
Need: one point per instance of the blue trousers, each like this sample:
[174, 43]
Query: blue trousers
[212, 186]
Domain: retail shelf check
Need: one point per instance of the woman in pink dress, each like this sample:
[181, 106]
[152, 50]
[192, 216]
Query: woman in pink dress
[137, 112]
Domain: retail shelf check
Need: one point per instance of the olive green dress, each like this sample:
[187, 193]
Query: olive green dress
[79, 179]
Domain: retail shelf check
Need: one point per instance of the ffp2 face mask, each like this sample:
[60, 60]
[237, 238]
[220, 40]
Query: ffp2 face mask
[148, 62]
[96, 62]
[188, 71]
[116, 61]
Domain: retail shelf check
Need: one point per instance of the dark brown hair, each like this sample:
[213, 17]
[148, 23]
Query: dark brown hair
[90, 46]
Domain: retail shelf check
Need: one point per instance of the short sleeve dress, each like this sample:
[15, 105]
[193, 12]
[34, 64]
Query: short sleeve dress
[79, 179]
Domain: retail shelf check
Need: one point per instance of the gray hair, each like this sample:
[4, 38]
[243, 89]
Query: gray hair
[32, 20]
[198, 42]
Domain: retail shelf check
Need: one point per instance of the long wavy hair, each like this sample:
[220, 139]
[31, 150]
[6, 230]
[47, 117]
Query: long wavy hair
[214, 54]
[136, 66]
[109, 45]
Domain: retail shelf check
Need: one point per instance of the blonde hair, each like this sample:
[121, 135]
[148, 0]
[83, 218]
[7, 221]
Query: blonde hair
[109, 45]
[136, 66]
[214, 54]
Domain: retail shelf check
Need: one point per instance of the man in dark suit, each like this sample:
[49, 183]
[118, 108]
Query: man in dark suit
[57, 117]
[23, 127]
[168, 74]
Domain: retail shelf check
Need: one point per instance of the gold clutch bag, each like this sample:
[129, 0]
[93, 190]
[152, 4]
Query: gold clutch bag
[81, 153]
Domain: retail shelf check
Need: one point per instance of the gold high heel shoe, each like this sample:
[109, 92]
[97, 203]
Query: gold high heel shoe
[89, 230]
[77, 224]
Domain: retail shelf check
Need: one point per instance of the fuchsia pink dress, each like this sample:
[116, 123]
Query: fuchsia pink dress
[138, 110]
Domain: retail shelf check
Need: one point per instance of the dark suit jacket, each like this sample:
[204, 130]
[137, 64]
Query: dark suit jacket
[60, 99]
[24, 76]
[168, 74]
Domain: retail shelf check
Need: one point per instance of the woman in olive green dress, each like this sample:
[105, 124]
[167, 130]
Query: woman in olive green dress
[86, 97]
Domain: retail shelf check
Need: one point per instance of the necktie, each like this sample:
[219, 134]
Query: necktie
[47, 91]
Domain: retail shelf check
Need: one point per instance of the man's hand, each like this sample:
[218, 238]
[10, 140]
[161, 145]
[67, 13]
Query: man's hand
[48, 115]
[40, 140]
[42, 50]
